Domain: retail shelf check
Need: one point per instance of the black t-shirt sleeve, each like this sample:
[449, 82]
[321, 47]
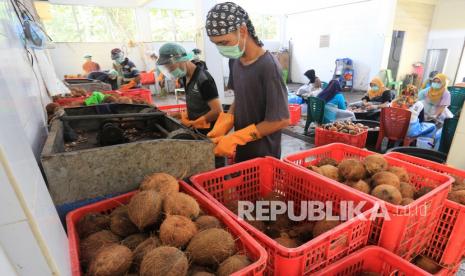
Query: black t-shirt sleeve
[276, 93]
[133, 69]
[366, 98]
[208, 89]
[386, 97]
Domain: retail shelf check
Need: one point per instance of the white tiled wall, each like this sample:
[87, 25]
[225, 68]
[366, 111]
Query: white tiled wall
[31, 234]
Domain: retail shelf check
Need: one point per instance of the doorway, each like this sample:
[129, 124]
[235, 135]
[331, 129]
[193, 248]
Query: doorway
[395, 52]
[435, 61]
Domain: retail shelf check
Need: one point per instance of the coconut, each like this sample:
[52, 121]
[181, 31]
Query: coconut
[202, 273]
[458, 187]
[51, 108]
[427, 264]
[282, 221]
[207, 222]
[181, 204]
[144, 247]
[315, 169]
[323, 226]
[457, 196]
[327, 161]
[164, 260]
[92, 223]
[375, 163]
[385, 178]
[177, 231]
[258, 224]
[199, 271]
[162, 183]
[360, 185]
[352, 169]
[387, 193]
[330, 171]
[407, 190]
[110, 99]
[233, 206]
[134, 240]
[93, 243]
[120, 224]
[111, 260]
[211, 247]
[401, 173]
[124, 100]
[422, 191]
[285, 241]
[144, 209]
[233, 264]
[406, 201]
[302, 232]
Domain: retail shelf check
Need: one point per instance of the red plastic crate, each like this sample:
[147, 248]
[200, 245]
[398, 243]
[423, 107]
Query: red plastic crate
[147, 78]
[173, 109]
[295, 113]
[325, 137]
[372, 259]
[410, 227]
[72, 101]
[139, 94]
[244, 241]
[447, 245]
[255, 178]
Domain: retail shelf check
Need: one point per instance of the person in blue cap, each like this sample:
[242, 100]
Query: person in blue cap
[203, 104]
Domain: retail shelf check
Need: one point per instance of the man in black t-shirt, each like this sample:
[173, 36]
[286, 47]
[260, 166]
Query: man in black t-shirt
[203, 105]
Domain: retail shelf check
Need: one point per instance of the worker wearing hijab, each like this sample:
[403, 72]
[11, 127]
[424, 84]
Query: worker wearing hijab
[378, 96]
[436, 99]
[259, 110]
[429, 80]
[312, 88]
[408, 99]
[335, 108]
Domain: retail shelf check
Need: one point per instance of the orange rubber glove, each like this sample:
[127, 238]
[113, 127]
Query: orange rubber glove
[226, 145]
[223, 125]
[199, 123]
[128, 85]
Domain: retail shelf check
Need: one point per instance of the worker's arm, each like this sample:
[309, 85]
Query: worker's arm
[439, 111]
[266, 128]
[215, 110]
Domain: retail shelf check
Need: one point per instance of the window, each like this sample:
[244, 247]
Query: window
[172, 25]
[90, 24]
[266, 26]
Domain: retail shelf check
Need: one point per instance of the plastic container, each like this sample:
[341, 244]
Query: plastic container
[147, 78]
[256, 178]
[409, 228]
[431, 155]
[324, 137]
[139, 94]
[425, 143]
[372, 259]
[173, 109]
[373, 131]
[295, 113]
[244, 241]
[447, 245]
[71, 101]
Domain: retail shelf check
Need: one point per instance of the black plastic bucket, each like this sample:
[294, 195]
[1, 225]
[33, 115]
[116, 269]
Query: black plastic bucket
[431, 155]
[372, 133]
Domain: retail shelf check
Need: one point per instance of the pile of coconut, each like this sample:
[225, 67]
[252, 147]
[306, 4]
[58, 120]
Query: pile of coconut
[162, 231]
[284, 231]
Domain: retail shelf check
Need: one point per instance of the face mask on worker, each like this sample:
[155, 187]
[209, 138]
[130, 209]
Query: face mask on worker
[375, 88]
[178, 73]
[119, 59]
[234, 51]
[436, 85]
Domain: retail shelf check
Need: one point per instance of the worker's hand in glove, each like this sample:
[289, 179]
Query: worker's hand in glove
[223, 125]
[199, 123]
[226, 145]
[129, 85]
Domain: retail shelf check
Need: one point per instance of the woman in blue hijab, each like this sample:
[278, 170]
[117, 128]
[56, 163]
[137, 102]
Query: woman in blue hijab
[335, 108]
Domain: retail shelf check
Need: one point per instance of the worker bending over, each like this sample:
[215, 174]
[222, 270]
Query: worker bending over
[128, 75]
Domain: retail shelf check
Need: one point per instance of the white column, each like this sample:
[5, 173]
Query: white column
[212, 57]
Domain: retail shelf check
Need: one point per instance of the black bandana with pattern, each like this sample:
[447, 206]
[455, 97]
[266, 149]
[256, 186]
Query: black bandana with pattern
[227, 17]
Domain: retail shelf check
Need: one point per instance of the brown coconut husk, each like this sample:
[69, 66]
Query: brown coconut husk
[385, 178]
[302, 232]
[315, 169]
[387, 193]
[406, 201]
[120, 224]
[142, 249]
[206, 222]
[134, 240]
[177, 231]
[401, 173]
[164, 260]
[181, 204]
[323, 226]
[457, 196]
[111, 260]
[375, 163]
[330, 171]
[407, 190]
[360, 185]
[90, 246]
[211, 247]
[327, 161]
[144, 209]
[352, 169]
[162, 183]
[427, 264]
[285, 241]
[422, 191]
[92, 223]
[233, 264]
